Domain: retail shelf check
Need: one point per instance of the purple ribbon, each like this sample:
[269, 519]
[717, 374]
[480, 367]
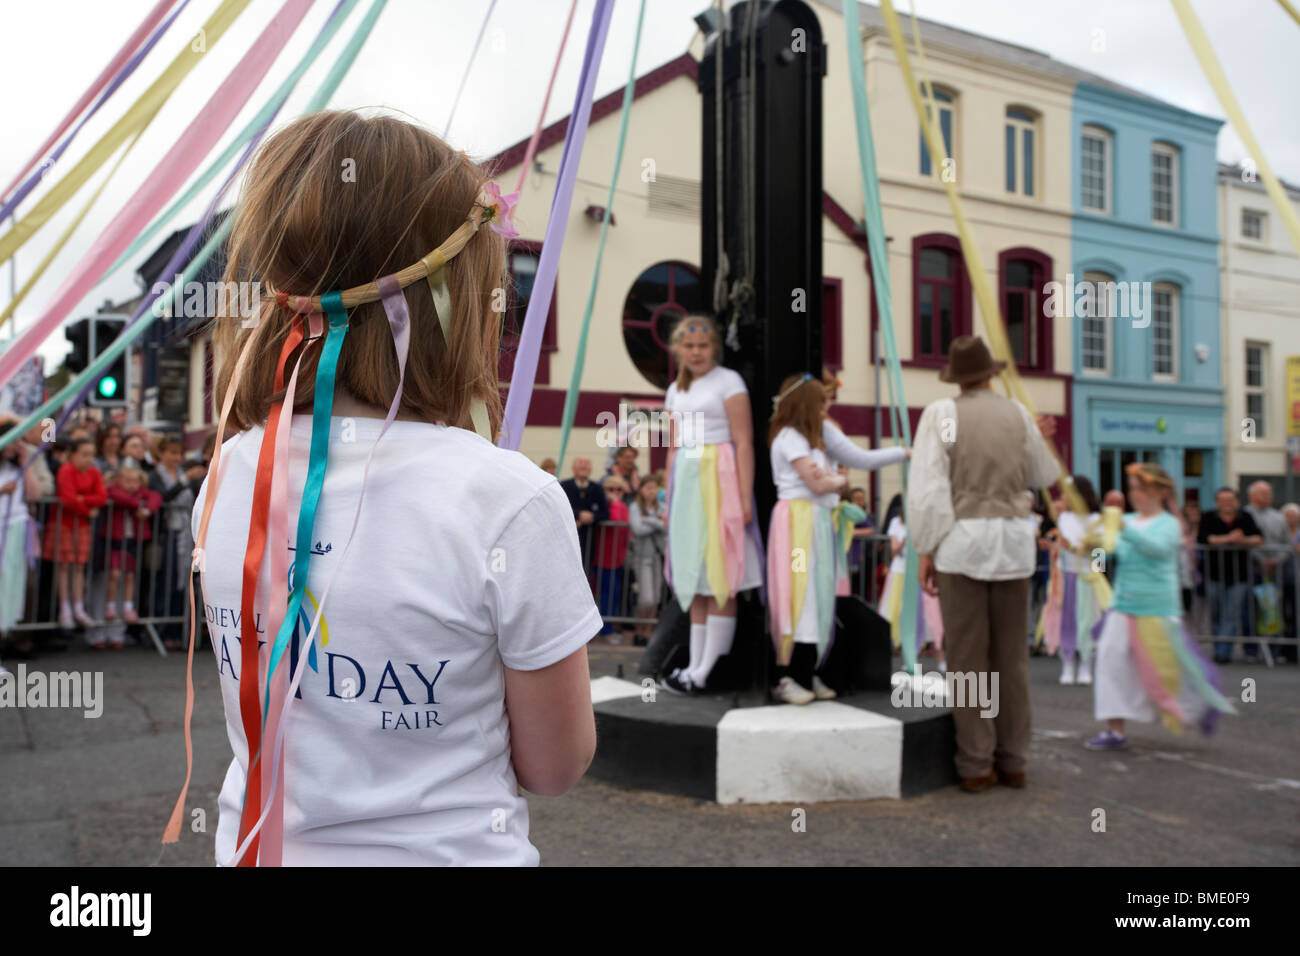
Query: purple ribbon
[539, 302]
[127, 69]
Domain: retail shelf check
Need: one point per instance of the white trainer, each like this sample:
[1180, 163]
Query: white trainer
[821, 691]
[790, 692]
[1068, 671]
[1085, 672]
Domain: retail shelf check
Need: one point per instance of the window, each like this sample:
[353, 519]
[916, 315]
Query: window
[1164, 331]
[522, 263]
[1094, 343]
[1256, 385]
[1164, 184]
[1020, 151]
[1095, 170]
[660, 296]
[1022, 274]
[944, 103]
[941, 291]
[1252, 224]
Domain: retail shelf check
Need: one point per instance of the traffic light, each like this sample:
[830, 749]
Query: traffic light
[110, 387]
[78, 333]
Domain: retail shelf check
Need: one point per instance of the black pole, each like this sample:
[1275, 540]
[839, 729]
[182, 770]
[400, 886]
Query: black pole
[778, 329]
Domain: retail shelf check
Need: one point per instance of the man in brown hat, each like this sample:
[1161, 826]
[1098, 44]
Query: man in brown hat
[968, 518]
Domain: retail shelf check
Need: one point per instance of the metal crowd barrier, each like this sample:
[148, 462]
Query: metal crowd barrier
[158, 588]
[1256, 612]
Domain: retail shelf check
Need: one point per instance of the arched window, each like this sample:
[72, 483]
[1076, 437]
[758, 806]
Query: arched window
[945, 102]
[941, 296]
[660, 296]
[1021, 127]
[1022, 274]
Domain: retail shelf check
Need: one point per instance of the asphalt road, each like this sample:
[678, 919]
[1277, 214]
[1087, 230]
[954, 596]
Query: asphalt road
[97, 792]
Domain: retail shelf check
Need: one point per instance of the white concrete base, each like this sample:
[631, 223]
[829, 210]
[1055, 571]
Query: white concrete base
[611, 688]
[818, 752]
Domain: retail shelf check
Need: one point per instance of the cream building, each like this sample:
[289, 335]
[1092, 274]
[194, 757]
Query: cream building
[992, 94]
[1260, 291]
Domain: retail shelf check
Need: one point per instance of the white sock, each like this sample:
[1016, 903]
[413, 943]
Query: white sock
[697, 646]
[128, 605]
[79, 607]
[111, 605]
[65, 606]
[720, 632]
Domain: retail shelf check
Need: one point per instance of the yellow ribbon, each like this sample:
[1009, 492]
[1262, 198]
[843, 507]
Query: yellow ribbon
[1214, 73]
[136, 120]
[714, 563]
[44, 264]
[998, 341]
[436, 263]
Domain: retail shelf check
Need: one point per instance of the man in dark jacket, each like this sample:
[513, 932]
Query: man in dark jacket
[1228, 531]
[589, 504]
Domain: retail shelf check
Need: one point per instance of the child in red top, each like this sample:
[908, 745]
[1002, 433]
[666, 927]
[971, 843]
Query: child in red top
[133, 504]
[80, 488]
[611, 553]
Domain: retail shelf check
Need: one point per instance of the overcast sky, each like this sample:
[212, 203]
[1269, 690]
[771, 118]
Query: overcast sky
[417, 55]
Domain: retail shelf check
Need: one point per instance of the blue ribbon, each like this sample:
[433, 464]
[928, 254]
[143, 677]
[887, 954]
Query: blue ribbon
[322, 408]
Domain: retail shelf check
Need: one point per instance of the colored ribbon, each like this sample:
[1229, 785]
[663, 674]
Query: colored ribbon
[539, 301]
[1214, 73]
[884, 298]
[473, 54]
[531, 149]
[322, 408]
[168, 177]
[118, 68]
[269, 109]
[580, 355]
[144, 317]
[139, 116]
[399, 324]
[249, 671]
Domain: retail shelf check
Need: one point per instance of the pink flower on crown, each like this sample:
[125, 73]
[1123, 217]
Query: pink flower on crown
[500, 210]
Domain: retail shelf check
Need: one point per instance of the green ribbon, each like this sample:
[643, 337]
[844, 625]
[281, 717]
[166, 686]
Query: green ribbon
[580, 355]
[884, 300]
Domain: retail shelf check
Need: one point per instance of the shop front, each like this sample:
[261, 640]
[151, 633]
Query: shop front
[1186, 440]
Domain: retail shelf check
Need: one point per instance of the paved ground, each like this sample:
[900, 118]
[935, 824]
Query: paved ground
[97, 792]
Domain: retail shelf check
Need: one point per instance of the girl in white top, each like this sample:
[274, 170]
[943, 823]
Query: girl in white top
[713, 543]
[451, 665]
[1073, 606]
[804, 557]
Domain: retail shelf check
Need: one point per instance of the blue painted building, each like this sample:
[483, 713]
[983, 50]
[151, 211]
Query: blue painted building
[1145, 264]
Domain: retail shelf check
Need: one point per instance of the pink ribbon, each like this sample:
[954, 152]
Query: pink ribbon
[191, 146]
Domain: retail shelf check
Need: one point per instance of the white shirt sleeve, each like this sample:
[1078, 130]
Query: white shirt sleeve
[1043, 469]
[790, 445]
[536, 593]
[733, 384]
[929, 491]
[841, 449]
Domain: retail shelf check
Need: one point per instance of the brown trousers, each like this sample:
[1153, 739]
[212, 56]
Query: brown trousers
[986, 629]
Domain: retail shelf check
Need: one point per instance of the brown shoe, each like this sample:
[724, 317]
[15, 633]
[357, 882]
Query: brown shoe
[978, 784]
[1009, 779]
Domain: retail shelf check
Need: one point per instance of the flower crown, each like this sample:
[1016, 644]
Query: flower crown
[804, 380]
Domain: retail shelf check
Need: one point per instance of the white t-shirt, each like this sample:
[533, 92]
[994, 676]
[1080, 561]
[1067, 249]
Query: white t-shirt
[700, 412]
[788, 447]
[1073, 528]
[897, 531]
[465, 562]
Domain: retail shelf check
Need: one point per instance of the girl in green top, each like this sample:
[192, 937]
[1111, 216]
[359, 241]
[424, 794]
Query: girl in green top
[1146, 659]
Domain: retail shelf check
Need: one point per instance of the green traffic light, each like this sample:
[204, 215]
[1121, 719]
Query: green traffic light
[107, 386]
